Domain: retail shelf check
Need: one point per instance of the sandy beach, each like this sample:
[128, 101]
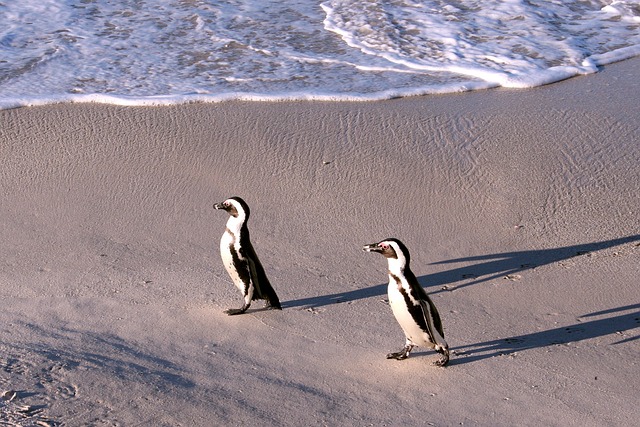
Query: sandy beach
[520, 208]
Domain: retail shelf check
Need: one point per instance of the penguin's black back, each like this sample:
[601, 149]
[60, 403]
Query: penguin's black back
[262, 286]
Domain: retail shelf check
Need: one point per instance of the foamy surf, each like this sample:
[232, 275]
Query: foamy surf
[172, 52]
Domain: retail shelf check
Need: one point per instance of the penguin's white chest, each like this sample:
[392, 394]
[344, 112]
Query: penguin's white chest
[401, 312]
[229, 252]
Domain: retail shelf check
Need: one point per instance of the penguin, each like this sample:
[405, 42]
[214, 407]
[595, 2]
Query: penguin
[240, 259]
[411, 306]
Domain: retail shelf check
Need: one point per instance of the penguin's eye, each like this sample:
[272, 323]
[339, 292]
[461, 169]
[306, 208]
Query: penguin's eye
[384, 246]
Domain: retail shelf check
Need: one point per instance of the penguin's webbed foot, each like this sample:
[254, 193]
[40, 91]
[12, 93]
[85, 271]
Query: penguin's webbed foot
[234, 311]
[442, 362]
[402, 354]
[270, 306]
[444, 359]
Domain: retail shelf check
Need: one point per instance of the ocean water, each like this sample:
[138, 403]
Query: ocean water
[141, 52]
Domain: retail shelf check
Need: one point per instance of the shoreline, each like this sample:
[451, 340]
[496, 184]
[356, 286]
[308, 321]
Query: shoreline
[159, 101]
[520, 209]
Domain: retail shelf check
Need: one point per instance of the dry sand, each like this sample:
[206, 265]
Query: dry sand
[521, 209]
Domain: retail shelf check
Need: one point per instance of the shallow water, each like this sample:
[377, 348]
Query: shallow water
[172, 51]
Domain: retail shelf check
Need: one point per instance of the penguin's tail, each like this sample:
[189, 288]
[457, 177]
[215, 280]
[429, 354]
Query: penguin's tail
[273, 302]
[268, 294]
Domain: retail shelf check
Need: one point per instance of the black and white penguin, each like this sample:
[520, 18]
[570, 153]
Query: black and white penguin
[240, 259]
[412, 307]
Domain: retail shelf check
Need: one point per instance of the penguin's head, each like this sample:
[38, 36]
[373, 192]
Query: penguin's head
[392, 249]
[235, 206]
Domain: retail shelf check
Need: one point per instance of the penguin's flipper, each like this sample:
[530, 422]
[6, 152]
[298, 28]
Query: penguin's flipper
[437, 323]
[432, 319]
[261, 285]
[435, 331]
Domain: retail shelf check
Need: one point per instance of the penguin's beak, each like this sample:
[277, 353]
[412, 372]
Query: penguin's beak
[219, 206]
[373, 247]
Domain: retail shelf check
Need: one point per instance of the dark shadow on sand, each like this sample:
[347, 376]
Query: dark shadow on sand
[497, 266]
[558, 336]
[484, 269]
[357, 294]
[104, 352]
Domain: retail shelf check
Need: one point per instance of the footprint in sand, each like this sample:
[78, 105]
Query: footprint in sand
[14, 412]
[513, 277]
[39, 383]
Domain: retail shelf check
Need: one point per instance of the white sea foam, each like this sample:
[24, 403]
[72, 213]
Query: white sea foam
[171, 51]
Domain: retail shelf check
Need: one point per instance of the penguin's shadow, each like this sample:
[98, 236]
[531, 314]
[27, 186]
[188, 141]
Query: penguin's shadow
[339, 297]
[507, 265]
[583, 330]
[490, 267]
